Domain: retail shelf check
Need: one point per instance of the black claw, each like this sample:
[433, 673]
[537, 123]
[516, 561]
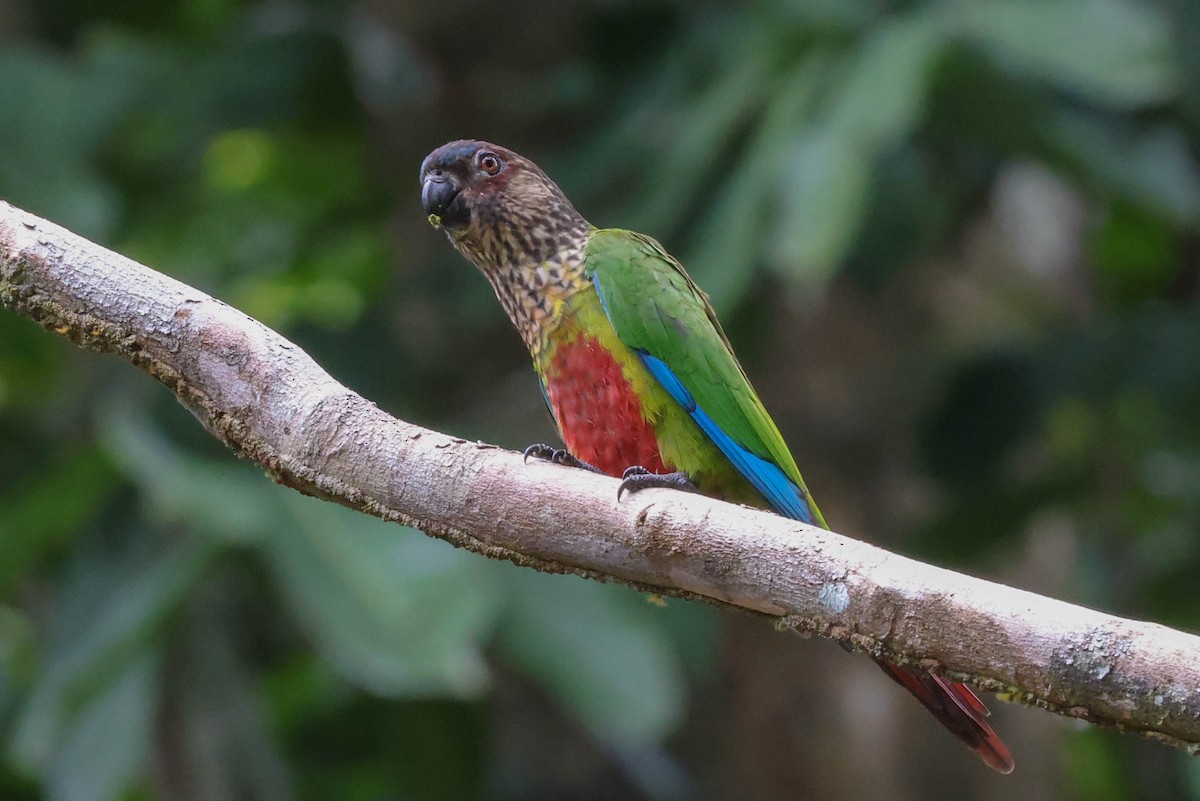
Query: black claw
[556, 456]
[639, 478]
[539, 450]
[629, 479]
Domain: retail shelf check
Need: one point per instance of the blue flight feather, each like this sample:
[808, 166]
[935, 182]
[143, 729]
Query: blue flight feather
[766, 477]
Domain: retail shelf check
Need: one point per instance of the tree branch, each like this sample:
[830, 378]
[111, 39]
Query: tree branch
[271, 403]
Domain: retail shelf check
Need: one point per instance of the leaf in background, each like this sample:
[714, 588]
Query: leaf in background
[216, 741]
[179, 488]
[825, 177]
[75, 487]
[106, 614]
[732, 235]
[696, 159]
[104, 747]
[18, 656]
[601, 650]
[282, 218]
[1136, 255]
[53, 175]
[29, 365]
[1190, 768]
[828, 16]
[883, 95]
[1095, 773]
[822, 200]
[393, 611]
[1154, 168]
[1115, 52]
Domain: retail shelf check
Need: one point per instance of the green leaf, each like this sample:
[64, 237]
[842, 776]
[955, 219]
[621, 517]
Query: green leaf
[103, 750]
[883, 95]
[1094, 771]
[1115, 52]
[220, 737]
[75, 487]
[180, 489]
[825, 177]
[708, 126]
[1154, 169]
[17, 652]
[107, 615]
[601, 650]
[733, 233]
[67, 112]
[1135, 255]
[1190, 768]
[395, 612]
[821, 204]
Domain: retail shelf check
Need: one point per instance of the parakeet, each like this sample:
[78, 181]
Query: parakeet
[638, 375]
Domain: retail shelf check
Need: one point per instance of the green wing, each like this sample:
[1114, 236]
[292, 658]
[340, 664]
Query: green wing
[658, 311]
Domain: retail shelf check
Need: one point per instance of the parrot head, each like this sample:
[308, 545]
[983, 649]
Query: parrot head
[498, 208]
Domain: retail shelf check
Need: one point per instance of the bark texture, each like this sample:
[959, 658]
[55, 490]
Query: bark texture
[271, 403]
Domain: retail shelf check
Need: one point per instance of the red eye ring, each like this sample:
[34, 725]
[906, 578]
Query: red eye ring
[490, 163]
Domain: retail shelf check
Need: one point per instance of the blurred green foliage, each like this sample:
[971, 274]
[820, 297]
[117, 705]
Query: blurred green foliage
[957, 247]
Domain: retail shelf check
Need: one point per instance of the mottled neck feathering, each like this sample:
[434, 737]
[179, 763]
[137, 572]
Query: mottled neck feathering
[528, 240]
[533, 266]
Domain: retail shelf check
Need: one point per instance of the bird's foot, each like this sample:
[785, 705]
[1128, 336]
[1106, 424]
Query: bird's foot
[555, 455]
[639, 478]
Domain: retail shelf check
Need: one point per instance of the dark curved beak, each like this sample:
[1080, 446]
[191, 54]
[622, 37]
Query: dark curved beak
[438, 192]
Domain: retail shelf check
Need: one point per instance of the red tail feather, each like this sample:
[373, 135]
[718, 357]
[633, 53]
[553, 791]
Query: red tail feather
[958, 709]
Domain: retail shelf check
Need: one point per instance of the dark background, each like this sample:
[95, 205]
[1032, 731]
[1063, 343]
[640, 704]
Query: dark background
[954, 244]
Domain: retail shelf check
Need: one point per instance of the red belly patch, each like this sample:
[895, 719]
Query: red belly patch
[599, 415]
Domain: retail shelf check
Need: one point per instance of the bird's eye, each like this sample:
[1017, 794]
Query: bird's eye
[490, 163]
